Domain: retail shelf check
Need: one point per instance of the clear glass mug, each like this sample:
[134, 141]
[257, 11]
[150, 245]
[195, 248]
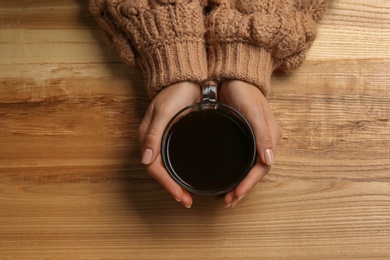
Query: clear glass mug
[208, 148]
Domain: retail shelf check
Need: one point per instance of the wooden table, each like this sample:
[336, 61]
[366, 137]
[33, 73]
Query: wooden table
[72, 187]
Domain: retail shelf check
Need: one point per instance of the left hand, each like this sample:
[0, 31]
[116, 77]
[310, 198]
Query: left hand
[250, 101]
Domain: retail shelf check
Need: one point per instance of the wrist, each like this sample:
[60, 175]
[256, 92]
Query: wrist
[241, 61]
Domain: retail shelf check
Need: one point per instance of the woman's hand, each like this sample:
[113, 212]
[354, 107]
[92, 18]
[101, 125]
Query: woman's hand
[250, 101]
[162, 108]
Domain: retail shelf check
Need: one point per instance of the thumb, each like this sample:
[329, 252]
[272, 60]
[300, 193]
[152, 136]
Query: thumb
[152, 140]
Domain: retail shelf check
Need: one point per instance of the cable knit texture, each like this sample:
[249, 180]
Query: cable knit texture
[246, 39]
[165, 38]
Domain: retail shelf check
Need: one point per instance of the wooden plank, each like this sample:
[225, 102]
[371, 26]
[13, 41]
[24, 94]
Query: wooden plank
[71, 182]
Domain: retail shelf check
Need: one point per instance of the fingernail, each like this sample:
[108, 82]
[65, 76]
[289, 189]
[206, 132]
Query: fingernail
[235, 202]
[269, 157]
[187, 206]
[147, 156]
[178, 200]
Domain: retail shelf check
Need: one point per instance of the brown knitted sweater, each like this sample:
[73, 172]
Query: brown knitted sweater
[179, 40]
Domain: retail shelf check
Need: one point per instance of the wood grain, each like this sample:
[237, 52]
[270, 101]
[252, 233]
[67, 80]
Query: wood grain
[72, 187]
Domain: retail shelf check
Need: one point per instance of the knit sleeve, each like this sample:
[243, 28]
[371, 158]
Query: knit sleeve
[249, 39]
[165, 38]
[115, 36]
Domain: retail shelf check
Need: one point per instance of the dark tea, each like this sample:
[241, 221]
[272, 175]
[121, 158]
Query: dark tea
[209, 151]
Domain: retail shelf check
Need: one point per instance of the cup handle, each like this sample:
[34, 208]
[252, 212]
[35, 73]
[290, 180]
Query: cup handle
[209, 91]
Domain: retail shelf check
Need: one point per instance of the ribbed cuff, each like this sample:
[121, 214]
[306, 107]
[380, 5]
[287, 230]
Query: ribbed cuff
[241, 61]
[173, 62]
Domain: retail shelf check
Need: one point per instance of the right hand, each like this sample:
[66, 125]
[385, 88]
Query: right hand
[160, 111]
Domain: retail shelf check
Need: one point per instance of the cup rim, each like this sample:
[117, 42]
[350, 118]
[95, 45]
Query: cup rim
[165, 158]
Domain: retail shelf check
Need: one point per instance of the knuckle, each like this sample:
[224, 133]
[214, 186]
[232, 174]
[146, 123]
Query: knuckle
[141, 129]
[141, 132]
[152, 135]
[266, 140]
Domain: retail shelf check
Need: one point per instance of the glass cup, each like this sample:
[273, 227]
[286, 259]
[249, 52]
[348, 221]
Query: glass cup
[208, 148]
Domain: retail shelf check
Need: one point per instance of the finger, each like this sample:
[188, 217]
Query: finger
[158, 171]
[186, 199]
[228, 199]
[276, 133]
[273, 125]
[152, 138]
[144, 125]
[253, 177]
[264, 138]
